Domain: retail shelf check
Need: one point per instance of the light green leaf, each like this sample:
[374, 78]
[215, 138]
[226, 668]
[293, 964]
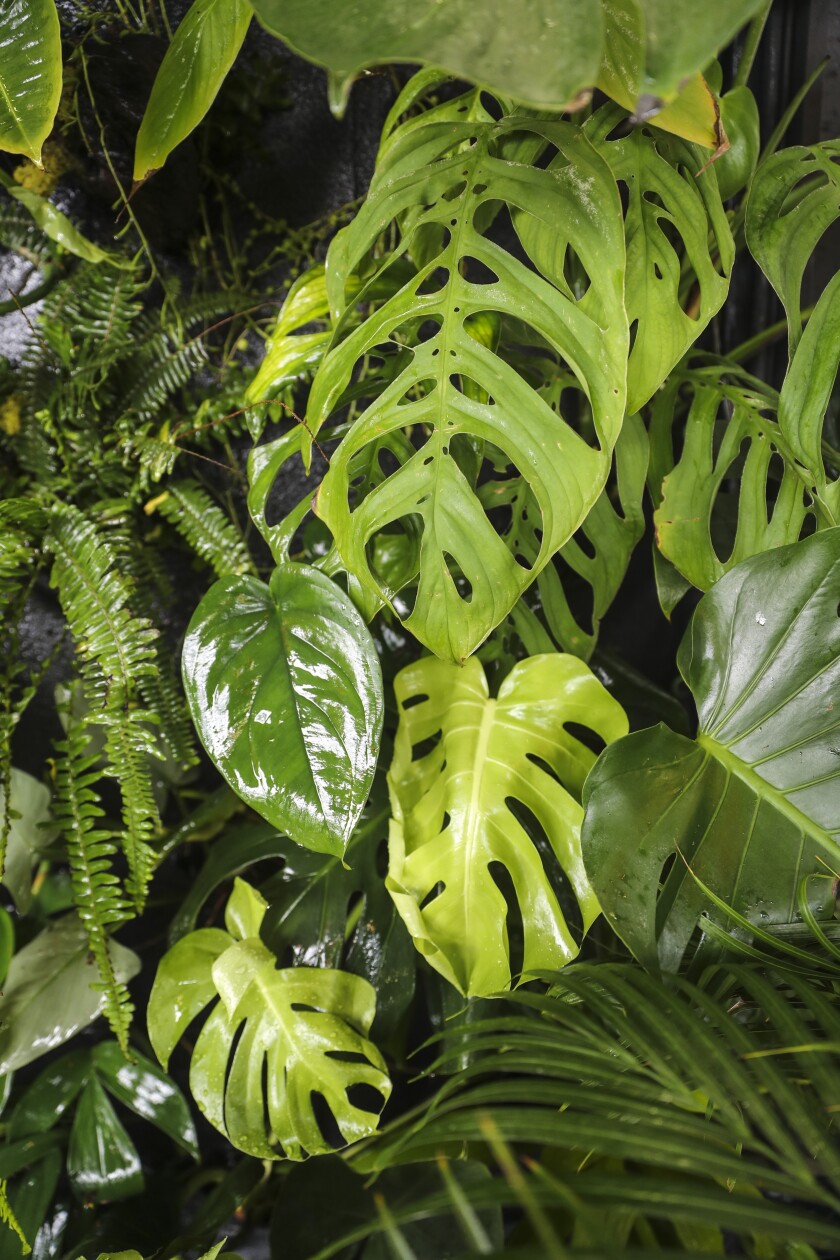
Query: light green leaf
[753, 804]
[30, 74]
[737, 488]
[542, 52]
[739, 116]
[28, 834]
[681, 37]
[202, 52]
[441, 178]
[674, 219]
[51, 991]
[102, 1162]
[456, 812]
[298, 1029]
[285, 689]
[291, 355]
[56, 225]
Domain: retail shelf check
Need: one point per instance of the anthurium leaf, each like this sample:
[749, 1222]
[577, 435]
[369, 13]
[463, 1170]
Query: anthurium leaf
[441, 178]
[54, 224]
[285, 689]
[542, 52]
[147, 1091]
[737, 488]
[30, 830]
[753, 804]
[202, 51]
[674, 217]
[49, 993]
[50, 1095]
[274, 1038]
[102, 1161]
[793, 201]
[30, 74]
[456, 812]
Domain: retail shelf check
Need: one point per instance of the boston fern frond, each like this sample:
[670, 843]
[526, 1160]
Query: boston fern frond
[207, 529]
[117, 653]
[90, 850]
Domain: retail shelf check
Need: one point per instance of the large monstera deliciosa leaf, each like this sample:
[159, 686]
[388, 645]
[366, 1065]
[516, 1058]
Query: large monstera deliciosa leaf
[751, 807]
[302, 1029]
[500, 788]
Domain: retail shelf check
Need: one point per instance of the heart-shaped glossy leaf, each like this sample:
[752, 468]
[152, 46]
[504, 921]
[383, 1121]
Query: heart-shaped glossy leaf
[102, 1161]
[441, 179]
[285, 689]
[500, 788]
[202, 51]
[542, 52]
[273, 1040]
[30, 74]
[753, 804]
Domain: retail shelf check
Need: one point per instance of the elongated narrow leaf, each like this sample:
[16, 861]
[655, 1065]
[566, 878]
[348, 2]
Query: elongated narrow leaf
[458, 812]
[273, 1038]
[51, 991]
[54, 224]
[737, 488]
[202, 51]
[102, 1161]
[285, 690]
[441, 178]
[542, 52]
[142, 1087]
[674, 220]
[753, 804]
[30, 74]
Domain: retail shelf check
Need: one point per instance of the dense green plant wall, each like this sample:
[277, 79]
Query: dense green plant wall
[360, 903]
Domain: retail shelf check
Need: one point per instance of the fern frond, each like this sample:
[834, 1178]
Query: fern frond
[210, 533]
[157, 371]
[101, 305]
[130, 746]
[8, 1217]
[90, 850]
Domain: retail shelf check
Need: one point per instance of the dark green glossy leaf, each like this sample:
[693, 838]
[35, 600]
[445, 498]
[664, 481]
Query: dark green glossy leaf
[15, 1156]
[230, 855]
[147, 1091]
[202, 51]
[31, 1197]
[542, 52]
[50, 1095]
[48, 994]
[102, 1162]
[753, 804]
[285, 689]
[30, 74]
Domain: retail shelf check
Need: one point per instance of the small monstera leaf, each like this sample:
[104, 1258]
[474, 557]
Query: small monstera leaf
[442, 178]
[679, 246]
[737, 489]
[274, 1041]
[752, 805]
[500, 788]
[285, 690]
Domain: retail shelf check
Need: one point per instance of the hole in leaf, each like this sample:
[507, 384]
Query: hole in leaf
[326, 1121]
[501, 877]
[432, 894]
[477, 272]
[365, 1097]
[419, 698]
[589, 738]
[462, 584]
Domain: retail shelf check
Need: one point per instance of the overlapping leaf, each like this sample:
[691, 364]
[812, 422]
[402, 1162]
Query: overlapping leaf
[501, 786]
[273, 1040]
[441, 179]
[752, 805]
[30, 74]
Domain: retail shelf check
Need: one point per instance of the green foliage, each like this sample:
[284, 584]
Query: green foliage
[308, 1025]
[30, 77]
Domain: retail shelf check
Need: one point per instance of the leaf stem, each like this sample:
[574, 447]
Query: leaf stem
[753, 38]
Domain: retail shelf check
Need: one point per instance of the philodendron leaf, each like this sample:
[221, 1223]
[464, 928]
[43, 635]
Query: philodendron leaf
[30, 74]
[302, 1031]
[542, 52]
[752, 804]
[676, 226]
[501, 786]
[737, 489]
[201, 53]
[285, 690]
[441, 178]
[52, 991]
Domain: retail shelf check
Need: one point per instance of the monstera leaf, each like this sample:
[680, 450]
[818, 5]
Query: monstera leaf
[274, 1041]
[285, 690]
[675, 221]
[752, 805]
[30, 74]
[441, 179]
[499, 790]
[704, 524]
